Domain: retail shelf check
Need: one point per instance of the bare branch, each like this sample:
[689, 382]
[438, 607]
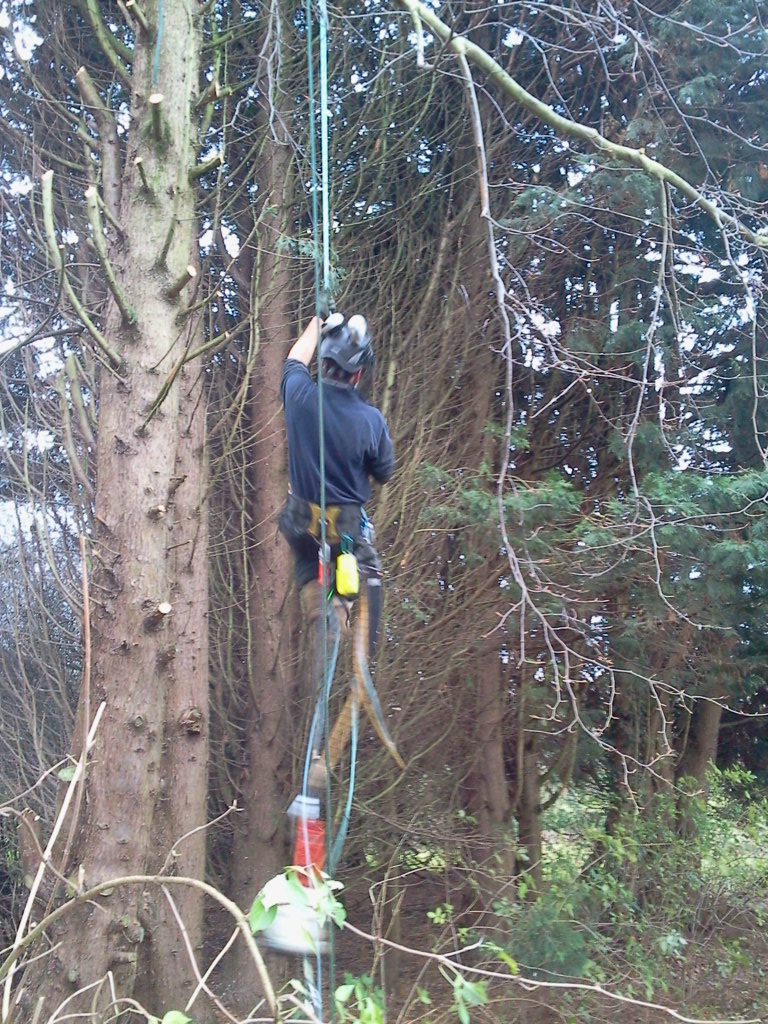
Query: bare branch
[637, 157]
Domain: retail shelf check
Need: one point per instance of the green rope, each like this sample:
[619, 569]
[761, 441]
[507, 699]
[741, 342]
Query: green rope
[322, 188]
[324, 114]
[323, 282]
[320, 282]
[326, 224]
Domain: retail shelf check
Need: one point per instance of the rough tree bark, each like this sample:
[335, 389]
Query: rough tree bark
[178, 841]
[493, 807]
[699, 754]
[701, 749]
[144, 605]
[259, 850]
[529, 810]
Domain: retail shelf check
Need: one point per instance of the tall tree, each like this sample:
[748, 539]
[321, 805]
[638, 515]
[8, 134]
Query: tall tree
[125, 175]
[566, 395]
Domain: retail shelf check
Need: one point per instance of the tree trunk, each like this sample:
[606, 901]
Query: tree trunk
[141, 604]
[700, 752]
[178, 841]
[259, 849]
[701, 748]
[492, 805]
[529, 811]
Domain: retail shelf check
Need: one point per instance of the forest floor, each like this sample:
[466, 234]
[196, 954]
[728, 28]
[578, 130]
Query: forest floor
[719, 974]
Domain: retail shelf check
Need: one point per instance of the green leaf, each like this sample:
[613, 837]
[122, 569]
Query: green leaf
[474, 993]
[511, 963]
[333, 909]
[261, 917]
[68, 773]
[343, 992]
[371, 1011]
[298, 892]
[176, 1017]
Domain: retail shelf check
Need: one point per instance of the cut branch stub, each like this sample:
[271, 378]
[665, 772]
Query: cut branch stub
[192, 721]
[138, 163]
[174, 290]
[213, 162]
[92, 99]
[208, 95]
[157, 617]
[155, 103]
[133, 8]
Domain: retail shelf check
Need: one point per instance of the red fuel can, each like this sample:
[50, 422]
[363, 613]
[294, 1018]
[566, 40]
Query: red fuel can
[309, 848]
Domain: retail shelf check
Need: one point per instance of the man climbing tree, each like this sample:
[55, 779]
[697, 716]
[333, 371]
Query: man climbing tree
[336, 444]
[355, 447]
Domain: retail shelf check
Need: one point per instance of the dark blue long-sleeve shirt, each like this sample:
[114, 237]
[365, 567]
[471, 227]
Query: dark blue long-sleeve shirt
[357, 442]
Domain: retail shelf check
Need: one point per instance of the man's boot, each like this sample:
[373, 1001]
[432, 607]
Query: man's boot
[312, 598]
[312, 601]
[313, 607]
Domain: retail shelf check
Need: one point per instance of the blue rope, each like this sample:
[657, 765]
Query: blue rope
[158, 41]
[334, 855]
[320, 709]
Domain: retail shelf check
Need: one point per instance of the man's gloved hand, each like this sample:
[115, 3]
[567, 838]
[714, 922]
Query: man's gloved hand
[325, 304]
[334, 321]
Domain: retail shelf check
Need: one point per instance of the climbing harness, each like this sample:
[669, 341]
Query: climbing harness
[297, 927]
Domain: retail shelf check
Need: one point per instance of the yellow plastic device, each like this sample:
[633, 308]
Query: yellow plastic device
[347, 575]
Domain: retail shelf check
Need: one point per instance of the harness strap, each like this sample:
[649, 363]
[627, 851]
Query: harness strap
[332, 534]
[362, 693]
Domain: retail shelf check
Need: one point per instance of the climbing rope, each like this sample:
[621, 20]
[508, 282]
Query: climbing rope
[313, 973]
[296, 927]
[362, 694]
[322, 268]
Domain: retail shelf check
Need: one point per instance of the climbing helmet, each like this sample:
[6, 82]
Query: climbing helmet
[347, 342]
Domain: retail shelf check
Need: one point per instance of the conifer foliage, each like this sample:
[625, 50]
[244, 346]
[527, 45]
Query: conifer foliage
[553, 217]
